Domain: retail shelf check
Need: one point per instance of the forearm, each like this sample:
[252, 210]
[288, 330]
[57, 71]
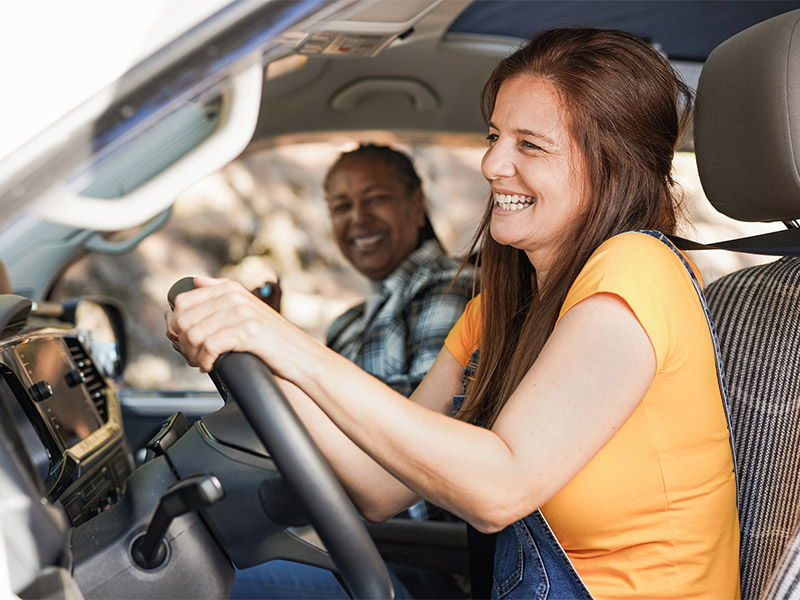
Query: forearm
[438, 457]
[595, 369]
[376, 493]
[465, 469]
[221, 316]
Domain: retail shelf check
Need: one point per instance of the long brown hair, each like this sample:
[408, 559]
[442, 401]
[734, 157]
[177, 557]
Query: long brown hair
[627, 109]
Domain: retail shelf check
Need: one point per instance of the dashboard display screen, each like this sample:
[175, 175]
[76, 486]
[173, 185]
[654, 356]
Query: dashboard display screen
[59, 396]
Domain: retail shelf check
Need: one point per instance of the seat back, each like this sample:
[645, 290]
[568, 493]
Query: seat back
[783, 582]
[756, 312]
[747, 142]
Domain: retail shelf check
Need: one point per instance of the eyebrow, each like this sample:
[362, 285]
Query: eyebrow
[528, 132]
[366, 190]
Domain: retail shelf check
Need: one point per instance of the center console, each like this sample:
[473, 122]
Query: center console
[69, 419]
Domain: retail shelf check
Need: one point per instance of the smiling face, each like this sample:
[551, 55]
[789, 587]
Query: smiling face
[535, 170]
[375, 219]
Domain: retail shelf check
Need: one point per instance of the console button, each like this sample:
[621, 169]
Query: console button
[40, 390]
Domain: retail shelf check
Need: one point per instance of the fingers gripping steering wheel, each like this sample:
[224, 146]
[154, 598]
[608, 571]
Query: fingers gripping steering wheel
[338, 524]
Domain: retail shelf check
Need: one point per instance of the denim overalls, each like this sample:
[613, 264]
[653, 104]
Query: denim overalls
[529, 563]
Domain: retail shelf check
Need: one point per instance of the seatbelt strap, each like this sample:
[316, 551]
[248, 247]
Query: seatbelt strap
[777, 243]
[481, 563]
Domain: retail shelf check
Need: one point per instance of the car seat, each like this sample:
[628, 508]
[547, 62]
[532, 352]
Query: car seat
[747, 143]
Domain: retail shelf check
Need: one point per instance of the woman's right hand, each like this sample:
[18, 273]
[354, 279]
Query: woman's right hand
[220, 316]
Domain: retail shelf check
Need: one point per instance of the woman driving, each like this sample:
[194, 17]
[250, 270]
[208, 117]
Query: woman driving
[593, 438]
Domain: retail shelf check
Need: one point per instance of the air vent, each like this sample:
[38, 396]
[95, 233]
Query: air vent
[92, 380]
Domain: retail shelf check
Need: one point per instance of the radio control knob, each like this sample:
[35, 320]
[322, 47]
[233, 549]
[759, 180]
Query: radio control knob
[75, 377]
[41, 390]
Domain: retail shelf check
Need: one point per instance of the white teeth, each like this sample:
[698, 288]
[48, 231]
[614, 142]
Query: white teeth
[365, 241]
[513, 201]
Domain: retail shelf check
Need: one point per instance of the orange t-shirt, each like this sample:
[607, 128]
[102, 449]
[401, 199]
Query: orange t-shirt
[653, 514]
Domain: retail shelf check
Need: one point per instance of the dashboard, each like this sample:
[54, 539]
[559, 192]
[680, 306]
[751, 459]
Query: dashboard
[75, 501]
[65, 461]
[68, 417]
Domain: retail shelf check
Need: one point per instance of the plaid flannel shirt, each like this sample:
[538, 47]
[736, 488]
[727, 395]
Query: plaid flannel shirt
[411, 314]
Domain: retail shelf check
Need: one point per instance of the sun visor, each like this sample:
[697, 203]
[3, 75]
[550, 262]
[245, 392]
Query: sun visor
[747, 122]
[142, 177]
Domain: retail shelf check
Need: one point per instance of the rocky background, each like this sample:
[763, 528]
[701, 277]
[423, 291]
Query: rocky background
[264, 216]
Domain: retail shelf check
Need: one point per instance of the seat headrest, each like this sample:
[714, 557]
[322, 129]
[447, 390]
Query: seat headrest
[747, 122]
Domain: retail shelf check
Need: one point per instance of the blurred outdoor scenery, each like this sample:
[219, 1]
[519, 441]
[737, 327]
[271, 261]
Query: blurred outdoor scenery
[264, 216]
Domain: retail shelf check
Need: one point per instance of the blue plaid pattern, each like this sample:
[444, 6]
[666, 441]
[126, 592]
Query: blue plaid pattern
[411, 315]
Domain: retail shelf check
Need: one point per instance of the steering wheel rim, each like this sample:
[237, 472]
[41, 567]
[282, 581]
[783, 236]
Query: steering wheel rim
[342, 530]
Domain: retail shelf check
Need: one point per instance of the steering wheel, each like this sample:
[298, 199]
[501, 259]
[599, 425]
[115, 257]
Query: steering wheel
[342, 530]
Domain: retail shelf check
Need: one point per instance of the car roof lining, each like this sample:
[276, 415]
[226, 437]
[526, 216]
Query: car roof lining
[683, 30]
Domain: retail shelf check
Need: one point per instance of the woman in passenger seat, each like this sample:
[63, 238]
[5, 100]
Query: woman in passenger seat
[378, 217]
[593, 440]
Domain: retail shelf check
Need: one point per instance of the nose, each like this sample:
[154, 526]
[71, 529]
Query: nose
[360, 211]
[498, 161]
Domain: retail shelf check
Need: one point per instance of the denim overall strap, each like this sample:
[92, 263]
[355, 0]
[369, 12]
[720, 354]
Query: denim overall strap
[481, 546]
[723, 388]
[529, 563]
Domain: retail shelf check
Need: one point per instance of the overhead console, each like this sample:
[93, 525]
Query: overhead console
[367, 30]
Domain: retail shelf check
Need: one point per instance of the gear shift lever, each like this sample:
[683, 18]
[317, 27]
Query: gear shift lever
[193, 493]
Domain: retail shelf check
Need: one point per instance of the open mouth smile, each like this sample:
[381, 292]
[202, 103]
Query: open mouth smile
[367, 242]
[513, 201]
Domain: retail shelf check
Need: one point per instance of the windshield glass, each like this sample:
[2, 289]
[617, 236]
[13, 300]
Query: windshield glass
[264, 217]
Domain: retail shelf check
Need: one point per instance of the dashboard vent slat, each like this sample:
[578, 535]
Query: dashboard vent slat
[93, 382]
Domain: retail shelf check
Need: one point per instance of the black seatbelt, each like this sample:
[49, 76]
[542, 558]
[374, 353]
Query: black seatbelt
[777, 243]
[481, 563]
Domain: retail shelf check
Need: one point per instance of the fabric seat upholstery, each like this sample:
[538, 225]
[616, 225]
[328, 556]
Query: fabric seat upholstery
[756, 312]
[747, 144]
[785, 580]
